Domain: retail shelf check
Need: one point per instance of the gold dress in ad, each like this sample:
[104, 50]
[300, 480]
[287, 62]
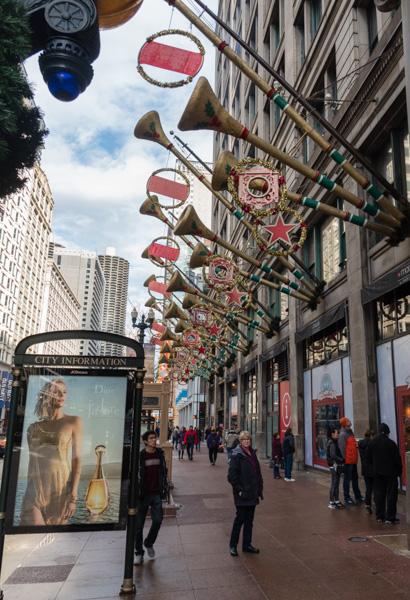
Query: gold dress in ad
[48, 477]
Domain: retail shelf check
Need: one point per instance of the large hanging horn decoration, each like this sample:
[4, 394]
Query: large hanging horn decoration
[149, 128]
[204, 111]
[227, 162]
[272, 94]
[190, 223]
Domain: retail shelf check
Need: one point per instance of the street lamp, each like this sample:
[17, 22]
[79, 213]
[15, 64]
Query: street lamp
[144, 324]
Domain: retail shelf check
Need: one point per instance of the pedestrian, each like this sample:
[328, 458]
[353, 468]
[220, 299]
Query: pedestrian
[151, 492]
[198, 438]
[230, 438]
[367, 468]
[190, 441]
[276, 455]
[350, 453]
[247, 485]
[207, 432]
[175, 437]
[213, 442]
[288, 448]
[385, 457]
[336, 464]
[181, 443]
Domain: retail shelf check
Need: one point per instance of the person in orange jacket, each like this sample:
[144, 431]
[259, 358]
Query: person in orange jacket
[350, 453]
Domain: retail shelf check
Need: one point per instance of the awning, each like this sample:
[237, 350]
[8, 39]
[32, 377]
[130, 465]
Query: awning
[399, 276]
[274, 351]
[248, 367]
[332, 316]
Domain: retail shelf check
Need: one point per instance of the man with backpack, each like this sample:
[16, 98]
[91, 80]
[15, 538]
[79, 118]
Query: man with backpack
[231, 436]
[213, 441]
[190, 441]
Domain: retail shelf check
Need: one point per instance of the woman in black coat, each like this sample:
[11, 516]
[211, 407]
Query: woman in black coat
[367, 468]
[247, 484]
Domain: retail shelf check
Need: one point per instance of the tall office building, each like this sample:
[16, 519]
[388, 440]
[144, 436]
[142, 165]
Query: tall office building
[25, 223]
[115, 271]
[83, 273]
[61, 311]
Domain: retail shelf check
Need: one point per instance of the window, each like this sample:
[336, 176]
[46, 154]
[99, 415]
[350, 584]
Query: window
[393, 313]
[371, 15]
[326, 345]
[250, 402]
[325, 248]
[315, 16]
[300, 41]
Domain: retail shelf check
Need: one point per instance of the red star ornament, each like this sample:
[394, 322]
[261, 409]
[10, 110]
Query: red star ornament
[214, 330]
[280, 231]
[201, 350]
[235, 296]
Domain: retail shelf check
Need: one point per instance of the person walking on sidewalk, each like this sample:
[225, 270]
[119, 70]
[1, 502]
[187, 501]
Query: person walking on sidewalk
[385, 457]
[175, 438]
[335, 462]
[190, 441]
[288, 447]
[230, 438]
[213, 442]
[245, 477]
[198, 438]
[350, 453]
[277, 455]
[151, 492]
[367, 468]
[181, 443]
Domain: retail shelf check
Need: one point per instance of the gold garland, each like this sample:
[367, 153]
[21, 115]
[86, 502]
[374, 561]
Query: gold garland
[256, 212]
[181, 82]
[184, 177]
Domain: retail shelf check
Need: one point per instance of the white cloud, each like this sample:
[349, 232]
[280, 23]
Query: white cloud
[96, 168]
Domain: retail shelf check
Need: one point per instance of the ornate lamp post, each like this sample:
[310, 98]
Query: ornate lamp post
[143, 324]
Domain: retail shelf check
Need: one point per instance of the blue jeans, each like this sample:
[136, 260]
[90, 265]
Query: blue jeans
[288, 464]
[155, 502]
[190, 450]
[276, 473]
[350, 475]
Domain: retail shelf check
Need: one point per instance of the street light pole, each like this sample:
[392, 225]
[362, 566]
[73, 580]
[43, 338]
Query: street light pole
[143, 324]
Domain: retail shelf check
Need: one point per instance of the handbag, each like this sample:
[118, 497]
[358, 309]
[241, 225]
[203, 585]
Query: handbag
[340, 469]
[272, 463]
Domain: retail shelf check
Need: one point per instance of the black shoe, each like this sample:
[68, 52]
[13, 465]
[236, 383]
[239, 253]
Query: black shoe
[392, 521]
[380, 520]
[233, 551]
[369, 510]
[250, 548]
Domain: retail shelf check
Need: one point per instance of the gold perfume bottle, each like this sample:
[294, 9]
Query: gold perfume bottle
[97, 497]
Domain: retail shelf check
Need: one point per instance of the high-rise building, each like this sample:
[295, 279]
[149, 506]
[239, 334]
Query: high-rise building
[61, 311]
[30, 212]
[115, 271]
[83, 273]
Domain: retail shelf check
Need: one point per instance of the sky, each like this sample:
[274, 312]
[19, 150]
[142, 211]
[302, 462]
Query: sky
[96, 168]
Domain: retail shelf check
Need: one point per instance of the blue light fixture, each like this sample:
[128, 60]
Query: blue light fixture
[64, 86]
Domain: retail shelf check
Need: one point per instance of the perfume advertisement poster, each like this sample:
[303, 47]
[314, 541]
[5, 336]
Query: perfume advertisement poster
[70, 463]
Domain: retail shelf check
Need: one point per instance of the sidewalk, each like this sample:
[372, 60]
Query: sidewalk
[305, 549]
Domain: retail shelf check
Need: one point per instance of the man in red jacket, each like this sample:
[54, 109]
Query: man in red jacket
[190, 440]
[350, 453]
